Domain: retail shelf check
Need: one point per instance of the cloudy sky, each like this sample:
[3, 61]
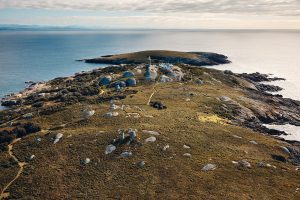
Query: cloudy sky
[228, 14]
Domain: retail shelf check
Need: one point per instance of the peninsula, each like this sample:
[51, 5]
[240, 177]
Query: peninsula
[153, 125]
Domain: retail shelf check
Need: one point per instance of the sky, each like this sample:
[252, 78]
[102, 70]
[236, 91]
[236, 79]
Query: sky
[169, 14]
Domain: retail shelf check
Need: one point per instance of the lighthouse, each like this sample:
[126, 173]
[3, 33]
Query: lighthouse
[149, 58]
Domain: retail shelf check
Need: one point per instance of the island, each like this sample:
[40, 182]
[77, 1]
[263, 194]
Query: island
[151, 125]
[162, 56]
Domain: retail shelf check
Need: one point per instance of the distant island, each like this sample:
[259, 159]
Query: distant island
[160, 56]
[152, 125]
[17, 27]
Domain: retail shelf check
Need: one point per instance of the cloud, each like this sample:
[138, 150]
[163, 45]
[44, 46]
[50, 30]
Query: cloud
[155, 13]
[241, 7]
[160, 22]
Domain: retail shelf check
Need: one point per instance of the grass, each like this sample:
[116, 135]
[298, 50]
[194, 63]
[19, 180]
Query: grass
[212, 118]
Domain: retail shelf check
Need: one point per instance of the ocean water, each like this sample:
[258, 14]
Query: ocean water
[42, 55]
[292, 132]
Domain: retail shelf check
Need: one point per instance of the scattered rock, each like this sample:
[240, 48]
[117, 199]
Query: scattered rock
[165, 79]
[86, 161]
[209, 167]
[174, 72]
[186, 146]
[225, 98]
[166, 147]
[88, 113]
[253, 142]
[187, 155]
[134, 115]
[279, 158]
[128, 139]
[110, 148]
[31, 157]
[228, 72]
[28, 116]
[126, 154]
[58, 127]
[150, 132]
[138, 71]
[118, 88]
[199, 82]
[148, 116]
[263, 164]
[111, 114]
[113, 107]
[294, 155]
[42, 94]
[244, 164]
[151, 139]
[165, 66]
[141, 164]
[58, 137]
[132, 134]
[286, 150]
[158, 105]
[236, 136]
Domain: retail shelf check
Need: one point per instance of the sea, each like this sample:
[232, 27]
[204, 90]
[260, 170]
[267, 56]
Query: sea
[44, 55]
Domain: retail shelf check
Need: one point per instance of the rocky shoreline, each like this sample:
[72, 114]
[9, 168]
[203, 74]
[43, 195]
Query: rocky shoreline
[68, 90]
[61, 92]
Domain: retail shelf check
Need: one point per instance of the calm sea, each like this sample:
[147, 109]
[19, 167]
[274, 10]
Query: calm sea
[45, 55]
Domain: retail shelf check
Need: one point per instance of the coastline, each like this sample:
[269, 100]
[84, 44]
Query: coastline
[110, 123]
[258, 82]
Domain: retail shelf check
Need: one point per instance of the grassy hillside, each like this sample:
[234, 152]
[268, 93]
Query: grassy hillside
[193, 118]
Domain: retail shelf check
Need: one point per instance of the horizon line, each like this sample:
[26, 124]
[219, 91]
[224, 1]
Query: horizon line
[95, 28]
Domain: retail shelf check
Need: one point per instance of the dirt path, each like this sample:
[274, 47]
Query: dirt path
[5, 194]
[154, 91]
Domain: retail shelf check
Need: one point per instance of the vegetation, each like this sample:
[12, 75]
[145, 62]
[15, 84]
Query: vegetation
[194, 116]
